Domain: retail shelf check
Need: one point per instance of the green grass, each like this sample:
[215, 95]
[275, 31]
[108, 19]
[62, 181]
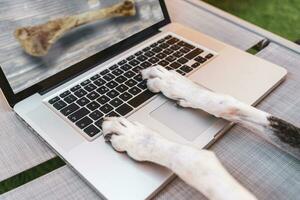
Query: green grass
[281, 17]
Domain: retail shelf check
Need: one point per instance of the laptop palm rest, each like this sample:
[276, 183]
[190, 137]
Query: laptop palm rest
[188, 123]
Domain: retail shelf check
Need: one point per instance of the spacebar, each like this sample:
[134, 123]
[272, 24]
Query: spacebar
[141, 98]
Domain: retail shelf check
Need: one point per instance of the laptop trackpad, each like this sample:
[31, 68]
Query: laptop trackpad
[188, 123]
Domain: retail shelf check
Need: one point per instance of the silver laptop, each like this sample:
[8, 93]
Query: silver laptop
[93, 72]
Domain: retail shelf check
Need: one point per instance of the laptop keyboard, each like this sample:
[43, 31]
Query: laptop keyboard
[119, 90]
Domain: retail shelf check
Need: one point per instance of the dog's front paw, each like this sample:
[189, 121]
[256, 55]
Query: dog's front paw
[171, 84]
[131, 137]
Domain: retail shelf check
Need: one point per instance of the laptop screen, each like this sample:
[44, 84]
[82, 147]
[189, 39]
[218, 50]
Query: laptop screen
[41, 38]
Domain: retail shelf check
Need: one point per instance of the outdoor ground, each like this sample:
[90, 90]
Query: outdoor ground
[281, 17]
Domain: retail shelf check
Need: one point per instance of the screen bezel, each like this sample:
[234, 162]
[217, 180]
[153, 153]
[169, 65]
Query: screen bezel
[82, 66]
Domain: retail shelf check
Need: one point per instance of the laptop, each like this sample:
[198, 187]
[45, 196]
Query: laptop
[93, 71]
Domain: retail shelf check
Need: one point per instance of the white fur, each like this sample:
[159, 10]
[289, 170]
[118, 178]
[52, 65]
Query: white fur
[199, 168]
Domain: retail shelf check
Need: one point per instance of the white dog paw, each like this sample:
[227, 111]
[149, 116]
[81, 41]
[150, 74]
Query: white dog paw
[171, 84]
[131, 137]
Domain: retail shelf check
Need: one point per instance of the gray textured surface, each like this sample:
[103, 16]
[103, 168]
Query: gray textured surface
[19, 148]
[194, 16]
[265, 170]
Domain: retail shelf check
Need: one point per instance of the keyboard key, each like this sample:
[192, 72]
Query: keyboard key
[84, 83]
[138, 53]
[112, 84]
[134, 63]
[141, 98]
[146, 64]
[169, 68]
[108, 77]
[175, 47]
[96, 115]
[84, 122]
[185, 50]
[125, 96]
[90, 87]
[146, 49]
[142, 85]
[69, 109]
[164, 46]
[182, 60]
[130, 58]
[200, 59]
[103, 100]
[70, 99]
[157, 49]
[175, 65]
[112, 94]
[124, 109]
[138, 78]
[80, 93]
[59, 105]
[195, 65]
[168, 37]
[64, 94]
[83, 101]
[122, 62]
[121, 79]
[116, 102]
[168, 51]
[104, 72]
[78, 114]
[153, 60]
[209, 56]
[184, 44]
[142, 58]
[93, 95]
[193, 54]
[122, 88]
[149, 54]
[91, 130]
[99, 82]
[161, 55]
[180, 72]
[172, 41]
[77, 87]
[154, 45]
[93, 106]
[129, 74]
[106, 108]
[117, 72]
[53, 100]
[126, 67]
[137, 69]
[102, 90]
[171, 58]
[112, 114]
[163, 63]
[134, 91]
[113, 67]
[131, 83]
[99, 123]
[178, 54]
[186, 69]
[95, 77]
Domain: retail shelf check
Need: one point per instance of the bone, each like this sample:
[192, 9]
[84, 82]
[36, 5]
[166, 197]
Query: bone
[37, 40]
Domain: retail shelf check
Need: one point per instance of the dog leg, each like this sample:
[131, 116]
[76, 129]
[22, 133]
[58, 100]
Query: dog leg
[199, 168]
[188, 94]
